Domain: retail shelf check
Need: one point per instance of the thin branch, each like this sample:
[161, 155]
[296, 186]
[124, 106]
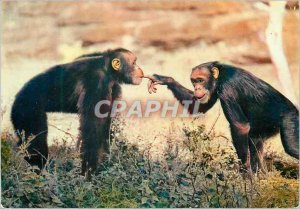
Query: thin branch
[214, 124]
[68, 133]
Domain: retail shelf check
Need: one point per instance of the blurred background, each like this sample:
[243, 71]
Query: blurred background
[168, 37]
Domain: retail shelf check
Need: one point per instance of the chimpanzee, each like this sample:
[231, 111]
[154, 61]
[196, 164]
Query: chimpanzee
[74, 87]
[253, 108]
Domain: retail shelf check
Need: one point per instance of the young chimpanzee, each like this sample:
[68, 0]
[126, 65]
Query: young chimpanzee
[75, 87]
[253, 108]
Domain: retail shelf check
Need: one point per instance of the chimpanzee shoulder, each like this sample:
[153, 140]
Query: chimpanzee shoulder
[248, 86]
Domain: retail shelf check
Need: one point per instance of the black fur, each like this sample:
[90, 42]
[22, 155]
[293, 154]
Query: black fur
[75, 87]
[254, 109]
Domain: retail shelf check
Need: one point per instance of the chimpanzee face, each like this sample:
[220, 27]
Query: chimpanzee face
[204, 81]
[130, 72]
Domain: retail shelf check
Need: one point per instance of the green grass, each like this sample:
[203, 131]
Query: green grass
[207, 177]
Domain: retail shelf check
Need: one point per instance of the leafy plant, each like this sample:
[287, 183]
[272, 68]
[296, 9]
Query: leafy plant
[199, 171]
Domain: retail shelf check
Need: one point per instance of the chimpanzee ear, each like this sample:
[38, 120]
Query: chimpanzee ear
[116, 64]
[215, 72]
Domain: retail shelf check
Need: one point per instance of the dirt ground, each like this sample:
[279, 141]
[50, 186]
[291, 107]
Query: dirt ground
[18, 65]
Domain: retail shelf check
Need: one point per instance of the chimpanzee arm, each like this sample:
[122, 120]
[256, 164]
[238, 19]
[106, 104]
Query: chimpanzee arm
[116, 91]
[180, 92]
[183, 94]
[94, 131]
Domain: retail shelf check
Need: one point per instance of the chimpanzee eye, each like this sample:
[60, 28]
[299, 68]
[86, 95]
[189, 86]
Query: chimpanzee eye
[200, 80]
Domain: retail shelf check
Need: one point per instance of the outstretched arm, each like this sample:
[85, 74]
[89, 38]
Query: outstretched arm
[180, 92]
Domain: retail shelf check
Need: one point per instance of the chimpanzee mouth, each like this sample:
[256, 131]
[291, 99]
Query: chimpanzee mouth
[202, 97]
[137, 80]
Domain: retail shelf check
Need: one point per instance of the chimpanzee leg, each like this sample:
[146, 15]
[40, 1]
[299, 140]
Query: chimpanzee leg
[95, 146]
[38, 150]
[103, 135]
[34, 124]
[260, 155]
[90, 144]
[256, 154]
[289, 132]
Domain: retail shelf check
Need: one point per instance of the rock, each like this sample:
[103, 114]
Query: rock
[166, 35]
[100, 34]
[292, 5]
[203, 8]
[31, 38]
[238, 25]
[232, 27]
[83, 13]
[39, 27]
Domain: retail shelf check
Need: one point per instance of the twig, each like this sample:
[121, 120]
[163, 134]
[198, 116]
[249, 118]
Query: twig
[69, 134]
[222, 136]
[216, 120]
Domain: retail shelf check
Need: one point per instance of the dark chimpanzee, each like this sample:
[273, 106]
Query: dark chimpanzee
[253, 108]
[74, 87]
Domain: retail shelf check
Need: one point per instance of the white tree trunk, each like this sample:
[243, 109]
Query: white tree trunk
[275, 45]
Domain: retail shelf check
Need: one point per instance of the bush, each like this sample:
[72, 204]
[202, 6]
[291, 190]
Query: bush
[200, 172]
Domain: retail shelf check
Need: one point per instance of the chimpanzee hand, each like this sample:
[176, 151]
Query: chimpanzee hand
[157, 79]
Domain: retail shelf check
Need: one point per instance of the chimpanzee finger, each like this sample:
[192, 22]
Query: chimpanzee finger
[154, 90]
[150, 86]
[157, 82]
[150, 77]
